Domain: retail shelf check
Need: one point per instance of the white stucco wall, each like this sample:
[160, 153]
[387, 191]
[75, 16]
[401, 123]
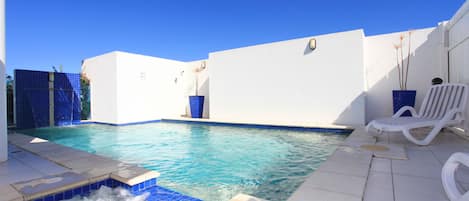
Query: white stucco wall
[286, 82]
[101, 71]
[458, 31]
[427, 61]
[347, 80]
[148, 88]
[128, 88]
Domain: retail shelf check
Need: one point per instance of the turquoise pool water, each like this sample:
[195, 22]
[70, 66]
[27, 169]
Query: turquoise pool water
[207, 162]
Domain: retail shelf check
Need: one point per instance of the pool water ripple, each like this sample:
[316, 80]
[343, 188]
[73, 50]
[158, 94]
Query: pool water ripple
[207, 162]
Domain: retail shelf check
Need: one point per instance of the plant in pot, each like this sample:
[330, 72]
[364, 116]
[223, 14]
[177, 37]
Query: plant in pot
[403, 97]
[196, 102]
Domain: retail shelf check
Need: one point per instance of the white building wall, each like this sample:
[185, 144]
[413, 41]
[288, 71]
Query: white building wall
[458, 31]
[282, 82]
[426, 62]
[101, 71]
[129, 88]
[148, 88]
[286, 82]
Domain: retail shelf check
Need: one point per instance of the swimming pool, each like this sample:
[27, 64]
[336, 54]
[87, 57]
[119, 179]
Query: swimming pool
[206, 161]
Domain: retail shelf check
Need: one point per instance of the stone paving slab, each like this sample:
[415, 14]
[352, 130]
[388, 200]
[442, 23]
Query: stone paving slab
[306, 194]
[48, 185]
[382, 165]
[134, 175]
[408, 188]
[387, 176]
[379, 187]
[68, 168]
[342, 176]
[8, 193]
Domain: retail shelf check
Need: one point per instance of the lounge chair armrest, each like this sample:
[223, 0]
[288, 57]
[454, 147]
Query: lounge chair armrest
[404, 109]
[448, 173]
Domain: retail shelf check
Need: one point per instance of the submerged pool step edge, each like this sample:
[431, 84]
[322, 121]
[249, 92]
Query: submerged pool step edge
[263, 126]
[324, 129]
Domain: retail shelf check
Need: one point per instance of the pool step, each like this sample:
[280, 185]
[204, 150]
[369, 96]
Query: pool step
[134, 175]
[86, 172]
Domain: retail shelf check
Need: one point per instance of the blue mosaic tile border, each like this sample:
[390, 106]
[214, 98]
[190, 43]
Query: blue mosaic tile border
[87, 189]
[263, 126]
[137, 188]
[158, 193]
[83, 122]
[74, 122]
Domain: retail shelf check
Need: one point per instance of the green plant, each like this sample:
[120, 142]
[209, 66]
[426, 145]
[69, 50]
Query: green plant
[85, 96]
[9, 82]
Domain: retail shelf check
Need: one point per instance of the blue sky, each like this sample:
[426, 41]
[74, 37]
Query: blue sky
[46, 33]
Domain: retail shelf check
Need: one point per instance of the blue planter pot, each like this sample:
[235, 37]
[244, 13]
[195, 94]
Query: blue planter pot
[401, 98]
[197, 106]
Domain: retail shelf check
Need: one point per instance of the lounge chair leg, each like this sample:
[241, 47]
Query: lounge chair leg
[426, 140]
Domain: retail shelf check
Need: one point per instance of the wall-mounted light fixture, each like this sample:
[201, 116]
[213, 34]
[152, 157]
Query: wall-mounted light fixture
[312, 44]
[203, 65]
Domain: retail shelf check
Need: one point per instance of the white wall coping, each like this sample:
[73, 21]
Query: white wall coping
[463, 10]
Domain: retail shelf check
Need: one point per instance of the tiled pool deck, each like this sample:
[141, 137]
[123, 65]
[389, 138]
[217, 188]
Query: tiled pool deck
[353, 173]
[405, 172]
[43, 171]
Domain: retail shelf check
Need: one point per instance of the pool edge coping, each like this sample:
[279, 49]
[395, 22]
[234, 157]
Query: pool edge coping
[347, 154]
[127, 174]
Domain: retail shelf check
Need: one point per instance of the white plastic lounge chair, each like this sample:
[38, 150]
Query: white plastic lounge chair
[447, 176]
[443, 106]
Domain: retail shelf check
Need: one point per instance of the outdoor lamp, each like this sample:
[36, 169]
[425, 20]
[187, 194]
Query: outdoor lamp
[312, 44]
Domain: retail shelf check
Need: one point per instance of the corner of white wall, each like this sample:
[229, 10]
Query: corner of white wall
[100, 70]
[427, 62]
[458, 50]
[189, 78]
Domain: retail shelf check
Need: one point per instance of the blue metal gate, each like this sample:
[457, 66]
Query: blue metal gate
[34, 91]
